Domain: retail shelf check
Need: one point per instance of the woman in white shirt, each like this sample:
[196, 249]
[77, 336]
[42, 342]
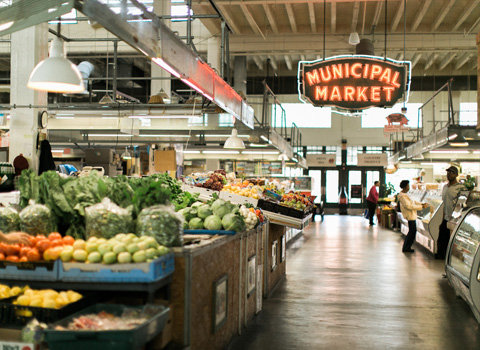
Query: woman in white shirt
[409, 211]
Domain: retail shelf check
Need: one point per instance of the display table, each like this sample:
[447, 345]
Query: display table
[384, 218]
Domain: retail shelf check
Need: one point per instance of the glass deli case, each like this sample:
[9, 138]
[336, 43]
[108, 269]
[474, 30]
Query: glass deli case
[429, 220]
[463, 259]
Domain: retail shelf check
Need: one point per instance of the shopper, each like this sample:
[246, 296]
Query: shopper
[409, 210]
[372, 200]
[449, 196]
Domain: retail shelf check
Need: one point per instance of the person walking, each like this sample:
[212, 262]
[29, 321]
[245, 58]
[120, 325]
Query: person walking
[372, 200]
[449, 196]
[409, 210]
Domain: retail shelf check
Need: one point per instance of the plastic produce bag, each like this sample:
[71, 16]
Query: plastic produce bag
[35, 219]
[9, 219]
[162, 223]
[106, 219]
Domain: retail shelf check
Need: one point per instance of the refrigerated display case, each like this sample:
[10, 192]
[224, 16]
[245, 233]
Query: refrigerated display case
[465, 200]
[463, 259]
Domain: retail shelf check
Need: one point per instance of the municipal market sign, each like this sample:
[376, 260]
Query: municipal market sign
[353, 82]
[373, 159]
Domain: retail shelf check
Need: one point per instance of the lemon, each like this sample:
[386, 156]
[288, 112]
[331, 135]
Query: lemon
[36, 302]
[15, 291]
[74, 297]
[49, 303]
[23, 300]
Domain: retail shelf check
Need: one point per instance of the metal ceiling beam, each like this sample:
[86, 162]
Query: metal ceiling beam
[431, 60]
[446, 60]
[273, 63]
[356, 10]
[333, 17]
[271, 18]
[311, 12]
[462, 61]
[288, 62]
[473, 26]
[376, 17]
[398, 16]
[415, 59]
[229, 20]
[442, 15]
[420, 14]
[291, 17]
[258, 62]
[466, 12]
[256, 29]
[261, 2]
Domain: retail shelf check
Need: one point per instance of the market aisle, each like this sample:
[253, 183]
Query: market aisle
[349, 286]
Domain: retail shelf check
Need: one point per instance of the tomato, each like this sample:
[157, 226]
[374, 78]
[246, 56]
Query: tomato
[12, 249]
[33, 255]
[23, 259]
[24, 251]
[68, 240]
[56, 243]
[3, 247]
[43, 245]
[52, 253]
[33, 241]
[40, 237]
[54, 235]
[13, 258]
[2, 256]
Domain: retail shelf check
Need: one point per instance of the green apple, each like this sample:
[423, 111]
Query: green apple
[80, 255]
[132, 248]
[151, 253]
[119, 247]
[152, 242]
[142, 245]
[139, 256]
[67, 253]
[135, 240]
[101, 241]
[162, 250]
[104, 248]
[94, 257]
[124, 257]
[92, 239]
[91, 247]
[119, 236]
[109, 258]
[79, 244]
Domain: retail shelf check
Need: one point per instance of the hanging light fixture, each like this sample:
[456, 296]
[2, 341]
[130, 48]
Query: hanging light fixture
[234, 142]
[56, 73]
[458, 141]
[126, 155]
[106, 99]
[353, 39]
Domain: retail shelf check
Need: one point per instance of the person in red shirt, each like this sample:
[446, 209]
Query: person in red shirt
[372, 200]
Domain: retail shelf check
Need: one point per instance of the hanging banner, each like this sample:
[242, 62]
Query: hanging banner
[321, 160]
[353, 82]
[372, 159]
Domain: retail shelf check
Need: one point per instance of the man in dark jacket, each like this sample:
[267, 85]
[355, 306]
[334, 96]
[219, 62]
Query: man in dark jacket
[372, 200]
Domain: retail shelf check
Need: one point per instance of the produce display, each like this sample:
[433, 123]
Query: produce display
[244, 188]
[162, 223]
[214, 180]
[8, 292]
[46, 298]
[35, 219]
[296, 200]
[106, 219]
[9, 219]
[252, 217]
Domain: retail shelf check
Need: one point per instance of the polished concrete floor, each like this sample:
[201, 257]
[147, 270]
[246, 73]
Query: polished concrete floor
[350, 287]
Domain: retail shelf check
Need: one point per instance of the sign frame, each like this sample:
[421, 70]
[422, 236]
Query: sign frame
[367, 75]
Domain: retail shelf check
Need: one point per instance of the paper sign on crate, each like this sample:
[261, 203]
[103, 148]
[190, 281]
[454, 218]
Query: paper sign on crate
[7, 345]
[238, 199]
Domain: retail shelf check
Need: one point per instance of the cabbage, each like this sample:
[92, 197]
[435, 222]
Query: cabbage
[213, 223]
[197, 204]
[232, 222]
[195, 224]
[221, 208]
[189, 213]
[204, 211]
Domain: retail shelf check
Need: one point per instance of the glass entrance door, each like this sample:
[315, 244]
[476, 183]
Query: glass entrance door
[316, 184]
[331, 186]
[354, 178]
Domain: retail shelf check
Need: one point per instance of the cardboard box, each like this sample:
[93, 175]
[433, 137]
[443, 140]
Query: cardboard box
[165, 160]
[161, 340]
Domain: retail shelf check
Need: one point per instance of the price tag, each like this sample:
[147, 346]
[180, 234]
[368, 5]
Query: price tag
[16, 346]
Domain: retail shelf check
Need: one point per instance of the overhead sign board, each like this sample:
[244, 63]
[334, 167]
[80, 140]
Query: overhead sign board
[321, 160]
[372, 159]
[353, 82]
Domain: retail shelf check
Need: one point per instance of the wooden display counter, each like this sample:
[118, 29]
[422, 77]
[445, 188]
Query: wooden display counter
[275, 259]
[215, 287]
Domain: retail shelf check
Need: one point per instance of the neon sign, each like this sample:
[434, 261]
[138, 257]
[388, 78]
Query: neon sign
[353, 82]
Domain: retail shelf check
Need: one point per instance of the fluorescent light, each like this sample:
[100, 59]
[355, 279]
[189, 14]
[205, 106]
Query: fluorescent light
[265, 139]
[295, 160]
[108, 135]
[64, 117]
[449, 152]
[436, 164]
[108, 118]
[257, 144]
[476, 152]
[7, 25]
[191, 152]
[221, 152]
[406, 162]
[57, 150]
[193, 86]
[64, 114]
[165, 66]
[453, 136]
[164, 116]
[163, 135]
[261, 152]
[226, 136]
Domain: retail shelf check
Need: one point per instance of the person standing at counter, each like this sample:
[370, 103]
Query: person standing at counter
[372, 200]
[449, 195]
[409, 210]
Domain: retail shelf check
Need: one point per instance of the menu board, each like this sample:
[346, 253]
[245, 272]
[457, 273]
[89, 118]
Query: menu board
[465, 244]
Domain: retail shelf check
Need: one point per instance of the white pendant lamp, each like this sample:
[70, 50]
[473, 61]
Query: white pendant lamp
[56, 73]
[459, 141]
[353, 39]
[234, 142]
[126, 154]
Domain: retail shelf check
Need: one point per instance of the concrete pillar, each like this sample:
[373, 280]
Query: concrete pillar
[240, 74]
[478, 81]
[28, 47]
[213, 53]
[161, 7]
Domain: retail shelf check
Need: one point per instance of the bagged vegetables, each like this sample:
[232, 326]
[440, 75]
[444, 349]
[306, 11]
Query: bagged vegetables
[9, 219]
[35, 219]
[106, 219]
[162, 223]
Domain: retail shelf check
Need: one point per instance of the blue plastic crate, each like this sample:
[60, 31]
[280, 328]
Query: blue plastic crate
[29, 271]
[208, 232]
[118, 273]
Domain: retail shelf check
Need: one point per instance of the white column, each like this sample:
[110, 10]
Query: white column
[28, 47]
[213, 53]
[161, 7]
